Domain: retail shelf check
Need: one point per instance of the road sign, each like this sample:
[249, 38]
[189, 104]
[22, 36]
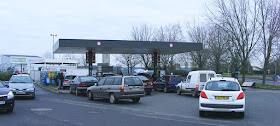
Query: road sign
[171, 45]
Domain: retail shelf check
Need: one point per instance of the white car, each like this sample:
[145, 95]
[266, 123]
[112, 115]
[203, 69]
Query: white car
[222, 95]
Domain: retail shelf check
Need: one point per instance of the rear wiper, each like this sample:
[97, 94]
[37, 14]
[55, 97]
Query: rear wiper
[228, 90]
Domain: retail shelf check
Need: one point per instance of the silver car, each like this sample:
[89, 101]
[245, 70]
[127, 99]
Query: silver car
[22, 85]
[117, 87]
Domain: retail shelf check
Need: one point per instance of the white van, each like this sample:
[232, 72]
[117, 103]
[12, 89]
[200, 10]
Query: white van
[195, 82]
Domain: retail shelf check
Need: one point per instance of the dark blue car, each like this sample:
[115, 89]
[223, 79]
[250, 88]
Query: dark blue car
[6, 98]
[167, 83]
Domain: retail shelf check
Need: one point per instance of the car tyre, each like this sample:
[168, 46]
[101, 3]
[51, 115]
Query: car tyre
[113, 99]
[148, 93]
[70, 90]
[202, 113]
[10, 110]
[135, 100]
[240, 115]
[90, 96]
[165, 90]
[77, 92]
[194, 94]
[178, 91]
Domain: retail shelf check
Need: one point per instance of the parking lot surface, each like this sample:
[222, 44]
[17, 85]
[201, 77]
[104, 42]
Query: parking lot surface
[159, 109]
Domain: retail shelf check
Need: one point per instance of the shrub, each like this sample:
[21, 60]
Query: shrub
[5, 76]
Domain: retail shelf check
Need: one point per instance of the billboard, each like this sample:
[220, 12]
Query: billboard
[18, 60]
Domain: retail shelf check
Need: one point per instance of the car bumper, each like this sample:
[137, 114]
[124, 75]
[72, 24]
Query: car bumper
[82, 90]
[237, 106]
[148, 88]
[24, 93]
[8, 105]
[128, 95]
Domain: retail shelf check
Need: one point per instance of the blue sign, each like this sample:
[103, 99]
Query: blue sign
[278, 76]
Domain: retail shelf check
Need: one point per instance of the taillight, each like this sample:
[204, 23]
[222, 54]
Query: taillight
[66, 80]
[203, 95]
[150, 83]
[240, 96]
[196, 87]
[169, 80]
[122, 88]
[82, 85]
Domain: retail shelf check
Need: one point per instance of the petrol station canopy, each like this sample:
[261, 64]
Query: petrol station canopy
[81, 46]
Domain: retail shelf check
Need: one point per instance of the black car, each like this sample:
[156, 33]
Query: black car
[167, 83]
[7, 101]
[148, 84]
[80, 84]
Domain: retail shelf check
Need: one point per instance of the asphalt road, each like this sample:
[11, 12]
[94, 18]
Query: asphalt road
[159, 109]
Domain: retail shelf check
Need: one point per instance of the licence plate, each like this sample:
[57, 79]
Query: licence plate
[2, 102]
[144, 83]
[221, 97]
[21, 93]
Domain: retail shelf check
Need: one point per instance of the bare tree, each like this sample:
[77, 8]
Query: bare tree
[269, 21]
[48, 54]
[143, 33]
[129, 60]
[199, 34]
[238, 18]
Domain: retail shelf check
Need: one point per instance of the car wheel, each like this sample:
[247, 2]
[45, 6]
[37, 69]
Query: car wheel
[77, 92]
[135, 100]
[165, 90]
[178, 91]
[70, 90]
[10, 110]
[240, 114]
[202, 113]
[113, 99]
[148, 93]
[194, 94]
[90, 96]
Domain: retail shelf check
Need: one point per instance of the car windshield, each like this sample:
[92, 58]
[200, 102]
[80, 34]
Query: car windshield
[176, 79]
[1, 85]
[88, 79]
[133, 81]
[20, 79]
[143, 78]
[70, 77]
[222, 86]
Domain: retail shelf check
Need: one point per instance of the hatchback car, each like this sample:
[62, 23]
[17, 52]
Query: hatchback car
[167, 83]
[6, 98]
[117, 87]
[222, 95]
[148, 84]
[67, 80]
[80, 84]
[22, 85]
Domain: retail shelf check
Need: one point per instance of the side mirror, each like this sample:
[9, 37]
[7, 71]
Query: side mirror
[7, 86]
[95, 84]
[244, 89]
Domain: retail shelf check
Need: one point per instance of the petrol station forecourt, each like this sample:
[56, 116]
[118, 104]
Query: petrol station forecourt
[83, 46]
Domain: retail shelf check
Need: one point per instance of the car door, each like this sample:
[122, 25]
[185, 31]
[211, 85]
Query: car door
[188, 82]
[106, 88]
[157, 83]
[73, 84]
[96, 90]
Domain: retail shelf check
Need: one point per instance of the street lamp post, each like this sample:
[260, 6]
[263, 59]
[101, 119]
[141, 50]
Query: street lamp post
[53, 35]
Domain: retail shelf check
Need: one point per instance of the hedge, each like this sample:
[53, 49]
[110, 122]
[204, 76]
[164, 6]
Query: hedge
[5, 76]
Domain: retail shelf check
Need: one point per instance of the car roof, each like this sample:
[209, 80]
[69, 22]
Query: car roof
[171, 75]
[223, 78]
[202, 71]
[21, 75]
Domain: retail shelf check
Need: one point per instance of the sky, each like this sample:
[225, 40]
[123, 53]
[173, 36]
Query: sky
[26, 25]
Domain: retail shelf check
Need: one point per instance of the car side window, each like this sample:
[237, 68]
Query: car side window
[101, 82]
[189, 78]
[76, 79]
[117, 81]
[159, 79]
[108, 81]
[203, 78]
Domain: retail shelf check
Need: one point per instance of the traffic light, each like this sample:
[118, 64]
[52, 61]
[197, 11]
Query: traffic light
[93, 57]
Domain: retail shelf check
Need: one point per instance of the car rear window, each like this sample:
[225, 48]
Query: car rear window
[203, 78]
[143, 78]
[222, 86]
[133, 81]
[21, 79]
[88, 79]
[70, 77]
[176, 79]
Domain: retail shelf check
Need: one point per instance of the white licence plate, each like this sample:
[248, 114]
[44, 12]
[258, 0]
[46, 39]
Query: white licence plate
[2, 102]
[21, 93]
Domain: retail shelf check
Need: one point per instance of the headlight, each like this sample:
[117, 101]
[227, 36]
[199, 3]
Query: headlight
[10, 95]
[14, 89]
[30, 89]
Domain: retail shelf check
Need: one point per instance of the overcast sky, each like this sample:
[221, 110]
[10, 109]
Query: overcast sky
[26, 25]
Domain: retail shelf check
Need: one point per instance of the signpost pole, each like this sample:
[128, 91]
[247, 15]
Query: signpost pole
[155, 66]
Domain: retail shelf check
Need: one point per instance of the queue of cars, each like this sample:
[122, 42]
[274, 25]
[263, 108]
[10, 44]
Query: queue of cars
[218, 94]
